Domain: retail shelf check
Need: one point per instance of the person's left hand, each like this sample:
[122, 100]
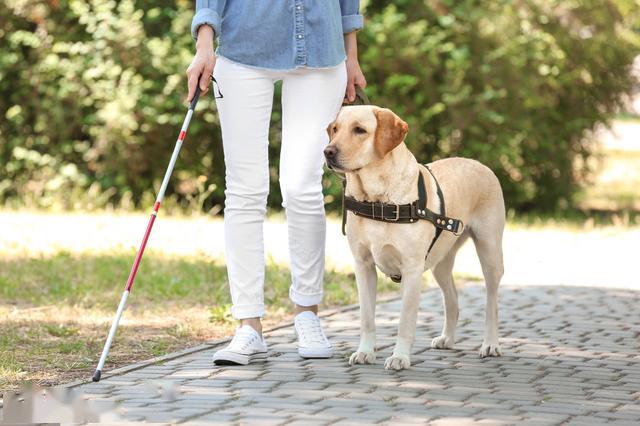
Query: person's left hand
[355, 77]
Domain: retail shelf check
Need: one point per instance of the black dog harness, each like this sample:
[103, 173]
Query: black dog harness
[403, 213]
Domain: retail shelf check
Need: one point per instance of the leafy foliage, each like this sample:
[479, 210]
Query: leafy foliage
[514, 84]
[93, 92]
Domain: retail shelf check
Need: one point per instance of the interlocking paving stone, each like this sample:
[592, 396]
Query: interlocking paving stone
[214, 419]
[570, 357]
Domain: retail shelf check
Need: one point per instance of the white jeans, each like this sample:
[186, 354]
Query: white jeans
[311, 99]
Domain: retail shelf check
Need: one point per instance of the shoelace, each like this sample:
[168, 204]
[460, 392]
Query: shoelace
[310, 330]
[243, 338]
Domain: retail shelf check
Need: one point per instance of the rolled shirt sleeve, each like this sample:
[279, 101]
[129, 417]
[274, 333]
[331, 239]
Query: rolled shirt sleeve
[207, 12]
[351, 18]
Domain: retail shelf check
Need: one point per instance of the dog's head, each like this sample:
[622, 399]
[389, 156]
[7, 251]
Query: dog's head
[361, 135]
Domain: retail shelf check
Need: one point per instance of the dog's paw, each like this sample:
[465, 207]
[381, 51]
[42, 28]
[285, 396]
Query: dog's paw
[490, 349]
[362, 358]
[397, 362]
[442, 342]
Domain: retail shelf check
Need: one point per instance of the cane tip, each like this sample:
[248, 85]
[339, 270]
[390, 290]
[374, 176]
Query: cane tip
[96, 376]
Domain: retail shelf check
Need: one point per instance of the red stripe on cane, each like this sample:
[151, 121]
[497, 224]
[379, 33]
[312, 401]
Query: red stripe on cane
[136, 263]
[182, 135]
[156, 207]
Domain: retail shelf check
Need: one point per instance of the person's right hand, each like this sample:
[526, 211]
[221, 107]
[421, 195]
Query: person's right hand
[201, 68]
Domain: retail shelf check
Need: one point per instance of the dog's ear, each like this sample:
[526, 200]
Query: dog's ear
[330, 129]
[390, 131]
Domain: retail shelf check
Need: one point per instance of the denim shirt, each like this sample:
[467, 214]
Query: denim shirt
[279, 34]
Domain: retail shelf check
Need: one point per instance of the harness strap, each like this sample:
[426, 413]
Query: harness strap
[403, 213]
[442, 210]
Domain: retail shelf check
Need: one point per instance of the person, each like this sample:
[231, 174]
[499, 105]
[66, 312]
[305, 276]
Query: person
[311, 47]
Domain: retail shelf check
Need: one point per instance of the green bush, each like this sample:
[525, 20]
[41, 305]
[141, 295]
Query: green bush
[92, 94]
[513, 84]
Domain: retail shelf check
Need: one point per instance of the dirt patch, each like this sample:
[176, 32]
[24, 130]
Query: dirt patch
[49, 345]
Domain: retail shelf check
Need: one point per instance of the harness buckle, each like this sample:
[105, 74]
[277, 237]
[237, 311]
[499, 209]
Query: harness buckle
[395, 219]
[460, 228]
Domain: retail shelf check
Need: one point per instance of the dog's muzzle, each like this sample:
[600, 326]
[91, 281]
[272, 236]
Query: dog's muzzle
[331, 157]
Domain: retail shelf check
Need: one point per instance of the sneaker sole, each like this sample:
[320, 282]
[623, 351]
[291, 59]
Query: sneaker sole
[230, 358]
[315, 352]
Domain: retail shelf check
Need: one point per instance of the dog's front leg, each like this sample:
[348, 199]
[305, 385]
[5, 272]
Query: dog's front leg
[411, 284]
[367, 280]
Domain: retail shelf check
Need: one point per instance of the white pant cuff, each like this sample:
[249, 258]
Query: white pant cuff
[247, 311]
[304, 299]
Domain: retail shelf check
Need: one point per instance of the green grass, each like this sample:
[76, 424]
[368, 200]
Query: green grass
[55, 310]
[97, 281]
[627, 116]
[61, 331]
[573, 219]
[613, 199]
[618, 185]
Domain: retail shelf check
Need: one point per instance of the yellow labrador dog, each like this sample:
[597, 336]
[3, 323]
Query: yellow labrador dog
[367, 144]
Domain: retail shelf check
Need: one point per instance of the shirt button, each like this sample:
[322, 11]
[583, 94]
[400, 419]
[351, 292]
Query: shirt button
[299, 7]
[299, 35]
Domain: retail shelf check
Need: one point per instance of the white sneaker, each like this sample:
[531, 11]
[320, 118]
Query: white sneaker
[245, 347]
[312, 343]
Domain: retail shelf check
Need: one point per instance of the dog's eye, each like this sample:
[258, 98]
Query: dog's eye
[359, 130]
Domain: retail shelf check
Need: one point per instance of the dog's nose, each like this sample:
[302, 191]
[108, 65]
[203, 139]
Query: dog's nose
[330, 151]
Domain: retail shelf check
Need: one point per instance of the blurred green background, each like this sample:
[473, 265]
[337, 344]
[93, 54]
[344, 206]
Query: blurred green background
[92, 96]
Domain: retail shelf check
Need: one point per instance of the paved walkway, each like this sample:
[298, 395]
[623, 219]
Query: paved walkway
[571, 356]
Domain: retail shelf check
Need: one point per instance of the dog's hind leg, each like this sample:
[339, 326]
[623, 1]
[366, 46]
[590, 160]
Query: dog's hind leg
[443, 273]
[444, 277]
[367, 281]
[488, 244]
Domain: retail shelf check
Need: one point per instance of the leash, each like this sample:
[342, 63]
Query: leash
[361, 99]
